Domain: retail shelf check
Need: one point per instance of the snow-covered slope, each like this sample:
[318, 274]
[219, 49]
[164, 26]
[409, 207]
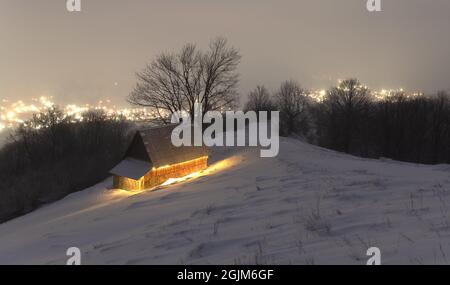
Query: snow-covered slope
[308, 205]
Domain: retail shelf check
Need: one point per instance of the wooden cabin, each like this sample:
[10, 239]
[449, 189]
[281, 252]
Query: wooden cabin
[152, 159]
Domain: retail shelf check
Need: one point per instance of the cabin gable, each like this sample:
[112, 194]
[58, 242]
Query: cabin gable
[137, 149]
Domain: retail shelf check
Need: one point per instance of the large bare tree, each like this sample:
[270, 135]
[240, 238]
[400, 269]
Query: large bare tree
[176, 81]
[292, 101]
[346, 108]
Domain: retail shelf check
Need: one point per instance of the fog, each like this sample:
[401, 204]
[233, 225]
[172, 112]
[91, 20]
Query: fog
[94, 54]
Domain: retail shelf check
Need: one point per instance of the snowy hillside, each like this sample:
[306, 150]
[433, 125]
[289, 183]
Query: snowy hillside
[308, 205]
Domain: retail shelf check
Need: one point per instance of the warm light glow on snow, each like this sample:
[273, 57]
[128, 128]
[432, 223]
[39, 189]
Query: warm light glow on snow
[118, 193]
[214, 168]
[221, 165]
[181, 179]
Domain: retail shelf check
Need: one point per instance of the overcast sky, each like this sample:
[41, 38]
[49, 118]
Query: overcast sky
[92, 55]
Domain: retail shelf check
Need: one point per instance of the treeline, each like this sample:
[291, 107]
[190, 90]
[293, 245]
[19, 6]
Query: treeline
[51, 156]
[350, 119]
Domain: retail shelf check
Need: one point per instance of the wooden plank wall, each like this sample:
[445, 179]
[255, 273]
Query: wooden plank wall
[158, 176]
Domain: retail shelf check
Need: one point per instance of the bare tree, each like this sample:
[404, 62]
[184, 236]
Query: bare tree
[439, 124]
[175, 82]
[49, 157]
[346, 106]
[349, 96]
[259, 99]
[292, 102]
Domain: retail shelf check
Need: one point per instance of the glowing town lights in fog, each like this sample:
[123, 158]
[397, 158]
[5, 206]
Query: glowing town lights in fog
[10, 115]
[14, 113]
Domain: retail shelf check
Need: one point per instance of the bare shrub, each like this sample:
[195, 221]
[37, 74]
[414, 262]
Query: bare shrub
[51, 156]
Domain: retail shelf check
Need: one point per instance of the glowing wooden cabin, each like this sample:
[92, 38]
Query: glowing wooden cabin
[152, 159]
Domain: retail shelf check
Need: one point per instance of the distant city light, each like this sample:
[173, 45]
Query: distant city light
[10, 115]
[13, 114]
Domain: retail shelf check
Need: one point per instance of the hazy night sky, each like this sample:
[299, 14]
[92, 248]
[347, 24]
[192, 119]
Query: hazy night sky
[78, 57]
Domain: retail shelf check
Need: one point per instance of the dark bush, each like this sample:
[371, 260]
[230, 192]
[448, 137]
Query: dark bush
[401, 127]
[51, 156]
[413, 128]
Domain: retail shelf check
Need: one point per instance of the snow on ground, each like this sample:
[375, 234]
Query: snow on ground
[306, 206]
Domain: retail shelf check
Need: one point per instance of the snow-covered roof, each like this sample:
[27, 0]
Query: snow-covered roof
[132, 168]
[162, 152]
[153, 147]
